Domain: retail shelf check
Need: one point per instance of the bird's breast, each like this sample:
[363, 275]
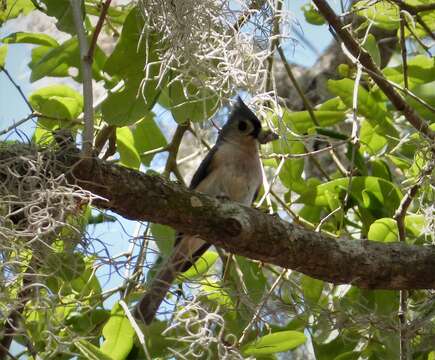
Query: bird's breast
[236, 175]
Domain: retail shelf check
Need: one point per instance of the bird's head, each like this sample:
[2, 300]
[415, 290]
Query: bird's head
[244, 127]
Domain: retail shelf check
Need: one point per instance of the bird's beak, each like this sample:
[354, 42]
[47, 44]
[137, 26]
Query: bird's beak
[266, 136]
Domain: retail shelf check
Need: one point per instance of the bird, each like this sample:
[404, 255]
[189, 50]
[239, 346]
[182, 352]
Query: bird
[231, 170]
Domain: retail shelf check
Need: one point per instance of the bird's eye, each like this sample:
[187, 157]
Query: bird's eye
[243, 125]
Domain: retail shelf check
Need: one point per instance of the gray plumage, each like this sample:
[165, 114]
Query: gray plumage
[231, 169]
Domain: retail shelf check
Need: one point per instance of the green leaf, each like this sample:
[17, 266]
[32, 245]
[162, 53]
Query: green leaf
[87, 284]
[431, 355]
[187, 102]
[129, 47]
[415, 224]
[142, 52]
[274, 343]
[312, 16]
[30, 38]
[90, 351]
[384, 230]
[372, 141]
[421, 70]
[128, 153]
[380, 196]
[3, 54]
[148, 136]
[56, 61]
[312, 289]
[214, 292]
[67, 266]
[124, 107]
[383, 14]
[14, 8]
[201, 266]
[118, 334]
[62, 11]
[86, 322]
[164, 238]
[291, 172]
[379, 168]
[59, 101]
[251, 274]
[368, 106]
[371, 46]
[300, 121]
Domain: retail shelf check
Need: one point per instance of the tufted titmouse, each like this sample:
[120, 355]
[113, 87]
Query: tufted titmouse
[231, 169]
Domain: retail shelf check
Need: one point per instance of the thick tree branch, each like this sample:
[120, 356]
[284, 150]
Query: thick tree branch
[248, 232]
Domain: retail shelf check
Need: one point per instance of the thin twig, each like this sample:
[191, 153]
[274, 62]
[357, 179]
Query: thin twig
[308, 154]
[98, 27]
[86, 64]
[403, 49]
[260, 306]
[34, 115]
[173, 147]
[295, 83]
[2, 68]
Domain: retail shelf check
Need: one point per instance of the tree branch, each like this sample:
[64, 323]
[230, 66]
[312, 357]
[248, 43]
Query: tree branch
[249, 232]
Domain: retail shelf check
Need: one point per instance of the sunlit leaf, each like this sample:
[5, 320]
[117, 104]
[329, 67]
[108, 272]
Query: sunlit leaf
[164, 238]
[30, 38]
[59, 101]
[384, 230]
[14, 8]
[128, 153]
[148, 136]
[118, 334]
[274, 343]
[382, 13]
[3, 54]
[200, 267]
[90, 351]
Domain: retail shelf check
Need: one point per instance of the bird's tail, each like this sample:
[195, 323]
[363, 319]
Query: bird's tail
[147, 307]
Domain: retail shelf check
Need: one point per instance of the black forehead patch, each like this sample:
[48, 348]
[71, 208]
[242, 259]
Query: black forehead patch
[240, 110]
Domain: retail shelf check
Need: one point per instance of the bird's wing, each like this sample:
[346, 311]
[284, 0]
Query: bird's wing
[204, 169]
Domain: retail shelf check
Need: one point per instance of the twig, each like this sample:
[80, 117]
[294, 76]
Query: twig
[98, 27]
[403, 49]
[355, 49]
[16, 124]
[2, 68]
[136, 328]
[425, 26]
[295, 83]
[33, 115]
[308, 154]
[86, 63]
[246, 15]
[416, 38]
[260, 306]
[171, 162]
